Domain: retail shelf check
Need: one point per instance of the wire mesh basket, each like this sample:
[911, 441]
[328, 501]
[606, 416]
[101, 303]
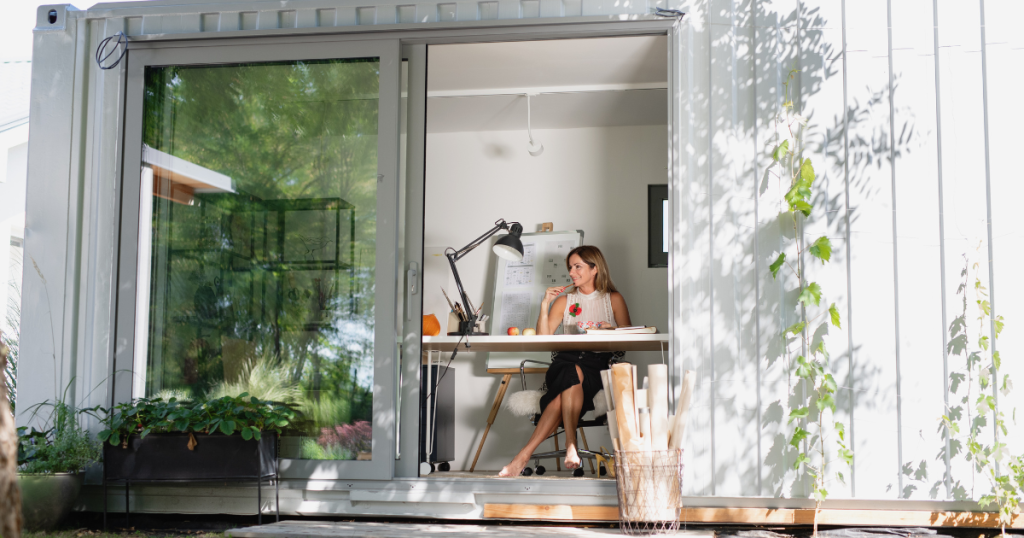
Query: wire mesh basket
[650, 487]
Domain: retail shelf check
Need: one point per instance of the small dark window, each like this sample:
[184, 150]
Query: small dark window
[52, 16]
[657, 226]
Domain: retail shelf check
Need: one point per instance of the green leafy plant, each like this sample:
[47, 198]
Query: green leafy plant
[796, 178]
[966, 421]
[64, 447]
[247, 415]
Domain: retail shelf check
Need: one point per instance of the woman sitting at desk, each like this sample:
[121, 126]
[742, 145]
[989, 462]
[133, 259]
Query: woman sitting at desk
[574, 377]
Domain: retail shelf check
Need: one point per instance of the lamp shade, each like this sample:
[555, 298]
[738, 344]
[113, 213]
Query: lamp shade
[509, 246]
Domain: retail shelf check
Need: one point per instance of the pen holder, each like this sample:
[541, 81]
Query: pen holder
[453, 322]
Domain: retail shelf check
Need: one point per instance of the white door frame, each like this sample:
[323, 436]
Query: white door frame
[385, 348]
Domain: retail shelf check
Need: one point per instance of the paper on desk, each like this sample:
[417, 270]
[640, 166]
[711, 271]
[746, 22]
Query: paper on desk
[515, 310]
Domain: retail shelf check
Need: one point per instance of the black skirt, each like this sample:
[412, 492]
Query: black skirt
[562, 375]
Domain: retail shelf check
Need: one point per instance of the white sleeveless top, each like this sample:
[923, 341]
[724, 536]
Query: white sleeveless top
[583, 310]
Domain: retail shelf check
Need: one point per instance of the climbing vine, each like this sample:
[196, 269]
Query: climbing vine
[810, 364]
[966, 420]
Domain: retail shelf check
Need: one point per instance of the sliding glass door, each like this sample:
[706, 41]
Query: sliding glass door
[261, 184]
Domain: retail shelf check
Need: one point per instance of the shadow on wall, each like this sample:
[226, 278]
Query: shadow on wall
[750, 308]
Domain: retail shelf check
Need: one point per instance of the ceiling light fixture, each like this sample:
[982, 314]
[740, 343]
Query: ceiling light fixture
[535, 148]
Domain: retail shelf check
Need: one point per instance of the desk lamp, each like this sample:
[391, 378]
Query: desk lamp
[508, 247]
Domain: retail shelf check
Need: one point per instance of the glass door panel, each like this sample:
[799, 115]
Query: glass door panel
[258, 234]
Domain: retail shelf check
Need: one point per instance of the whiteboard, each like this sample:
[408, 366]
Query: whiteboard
[519, 288]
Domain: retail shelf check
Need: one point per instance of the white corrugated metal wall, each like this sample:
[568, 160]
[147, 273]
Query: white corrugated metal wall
[913, 131]
[913, 123]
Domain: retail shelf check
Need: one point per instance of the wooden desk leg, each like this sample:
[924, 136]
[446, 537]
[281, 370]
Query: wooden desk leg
[558, 462]
[505, 379]
[587, 448]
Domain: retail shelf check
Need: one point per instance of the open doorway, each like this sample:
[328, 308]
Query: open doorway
[569, 132]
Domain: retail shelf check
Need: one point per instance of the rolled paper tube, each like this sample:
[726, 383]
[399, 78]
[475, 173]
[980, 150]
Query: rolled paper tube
[657, 399]
[625, 411]
[677, 435]
[635, 406]
[613, 426]
[645, 425]
[640, 399]
[606, 382]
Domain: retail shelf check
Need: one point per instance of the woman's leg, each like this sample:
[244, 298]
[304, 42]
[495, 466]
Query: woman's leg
[572, 403]
[549, 420]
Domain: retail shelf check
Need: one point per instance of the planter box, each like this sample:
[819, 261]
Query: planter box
[165, 456]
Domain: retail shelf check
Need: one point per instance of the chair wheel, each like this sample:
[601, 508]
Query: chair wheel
[432, 468]
[541, 470]
[444, 467]
[577, 472]
[602, 470]
[527, 471]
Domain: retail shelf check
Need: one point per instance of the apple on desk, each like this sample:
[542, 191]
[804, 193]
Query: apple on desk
[529, 331]
[513, 331]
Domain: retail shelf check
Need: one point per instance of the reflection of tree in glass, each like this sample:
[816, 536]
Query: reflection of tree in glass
[295, 139]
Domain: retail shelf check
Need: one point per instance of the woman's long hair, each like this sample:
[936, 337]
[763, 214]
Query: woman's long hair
[592, 256]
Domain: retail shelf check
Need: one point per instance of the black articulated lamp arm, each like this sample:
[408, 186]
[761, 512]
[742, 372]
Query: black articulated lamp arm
[466, 328]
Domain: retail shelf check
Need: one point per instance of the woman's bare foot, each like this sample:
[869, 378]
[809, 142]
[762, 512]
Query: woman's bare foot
[513, 469]
[572, 459]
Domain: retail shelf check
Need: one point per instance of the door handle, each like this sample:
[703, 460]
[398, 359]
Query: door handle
[412, 288]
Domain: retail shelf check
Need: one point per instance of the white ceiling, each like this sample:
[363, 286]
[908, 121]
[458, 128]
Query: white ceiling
[581, 83]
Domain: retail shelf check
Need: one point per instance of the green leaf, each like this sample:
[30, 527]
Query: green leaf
[805, 369]
[115, 439]
[842, 479]
[800, 458]
[802, 206]
[247, 433]
[777, 264]
[799, 434]
[795, 328]
[800, 413]
[103, 436]
[281, 422]
[821, 349]
[835, 315]
[812, 293]
[780, 151]
[997, 361]
[846, 455]
[807, 173]
[829, 383]
[256, 434]
[826, 401]
[822, 249]
[841, 430]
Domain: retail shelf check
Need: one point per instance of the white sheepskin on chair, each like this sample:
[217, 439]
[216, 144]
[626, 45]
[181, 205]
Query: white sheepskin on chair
[524, 403]
[600, 405]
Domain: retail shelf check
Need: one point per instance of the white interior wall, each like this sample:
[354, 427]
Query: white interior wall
[593, 179]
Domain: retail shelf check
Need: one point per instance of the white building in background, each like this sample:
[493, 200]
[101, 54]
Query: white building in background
[14, 98]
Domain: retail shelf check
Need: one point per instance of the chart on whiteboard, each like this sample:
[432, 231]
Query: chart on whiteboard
[555, 271]
[515, 310]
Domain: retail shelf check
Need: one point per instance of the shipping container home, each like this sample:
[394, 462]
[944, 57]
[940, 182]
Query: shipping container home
[259, 196]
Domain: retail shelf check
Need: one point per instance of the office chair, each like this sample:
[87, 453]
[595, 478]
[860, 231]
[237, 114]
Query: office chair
[526, 403]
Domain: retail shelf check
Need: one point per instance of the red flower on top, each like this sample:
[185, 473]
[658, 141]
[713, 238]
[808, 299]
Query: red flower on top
[575, 310]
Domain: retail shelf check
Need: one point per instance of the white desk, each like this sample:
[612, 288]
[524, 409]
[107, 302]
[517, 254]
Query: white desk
[555, 342]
